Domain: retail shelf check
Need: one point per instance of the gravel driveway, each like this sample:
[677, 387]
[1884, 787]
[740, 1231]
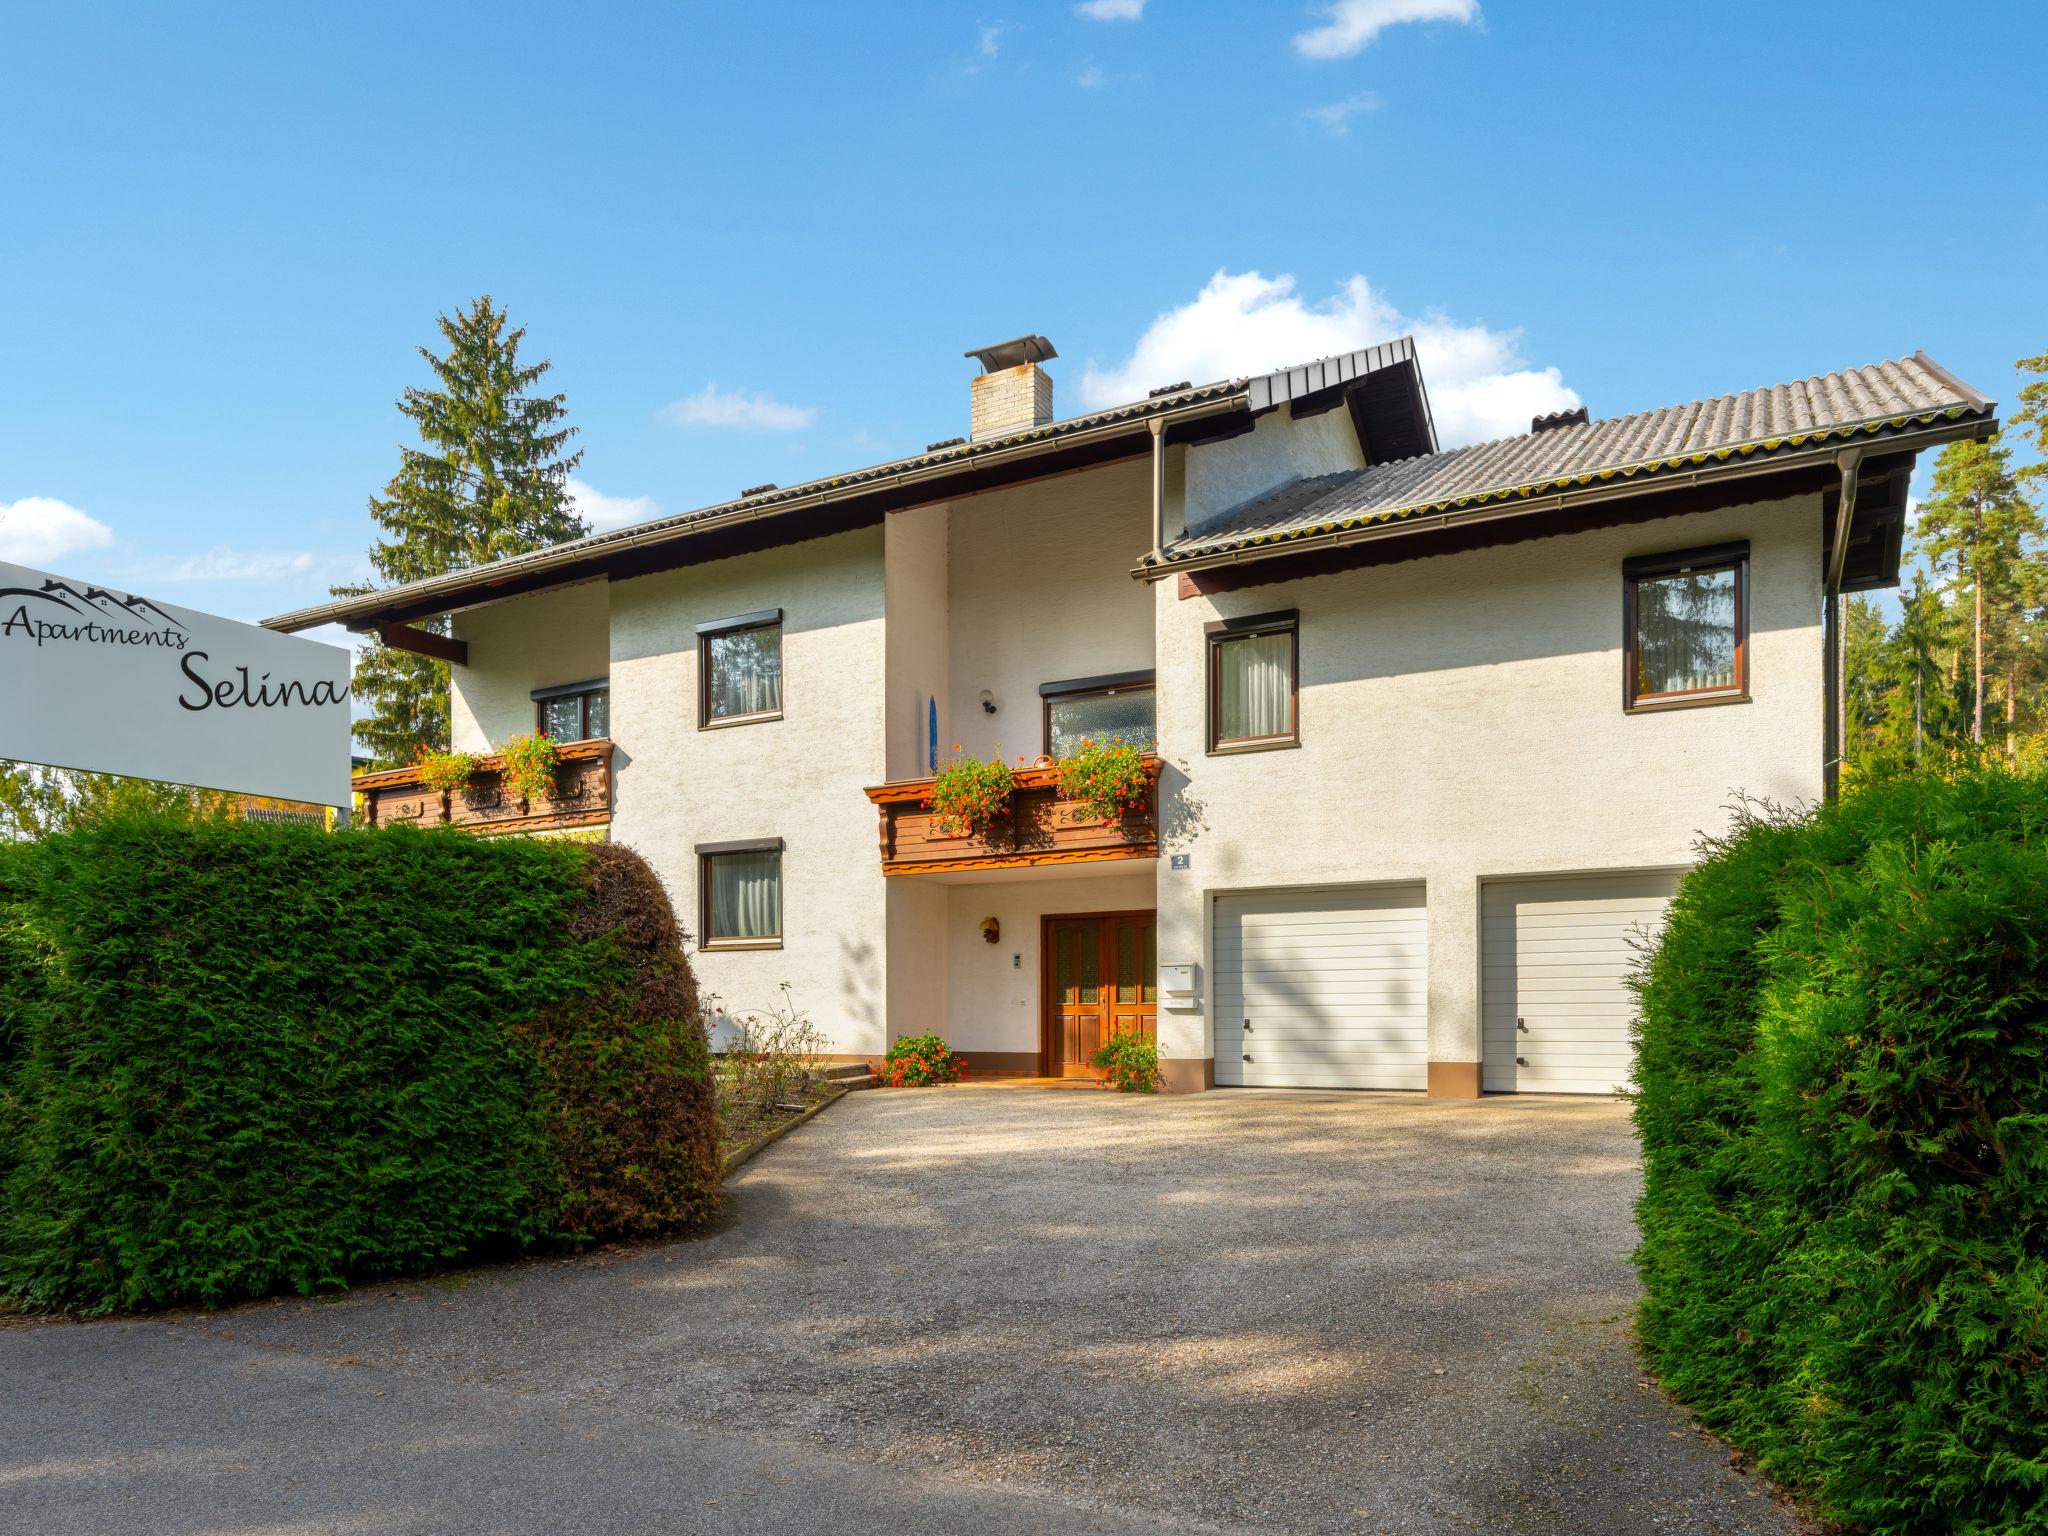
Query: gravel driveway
[973, 1309]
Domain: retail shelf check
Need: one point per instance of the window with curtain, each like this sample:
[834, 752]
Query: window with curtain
[580, 715]
[1101, 715]
[1686, 628]
[743, 896]
[1252, 683]
[742, 669]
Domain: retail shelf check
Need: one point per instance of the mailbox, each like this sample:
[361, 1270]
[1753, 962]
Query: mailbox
[1180, 986]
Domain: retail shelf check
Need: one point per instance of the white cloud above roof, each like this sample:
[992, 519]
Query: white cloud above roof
[715, 407]
[39, 529]
[1111, 10]
[1479, 386]
[605, 513]
[1349, 26]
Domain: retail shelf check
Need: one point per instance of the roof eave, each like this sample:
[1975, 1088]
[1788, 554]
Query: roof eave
[363, 612]
[1493, 506]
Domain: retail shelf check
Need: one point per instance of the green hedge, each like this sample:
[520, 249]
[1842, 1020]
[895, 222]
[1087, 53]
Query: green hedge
[240, 1058]
[1843, 1059]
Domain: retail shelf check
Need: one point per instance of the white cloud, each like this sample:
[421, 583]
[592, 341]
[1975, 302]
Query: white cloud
[715, 407]
[604, 512]
[1349, 25]
[1111, 10]
[1336, 117]
[1479, 387]
[223, 562]
[1092, 78]
[991, 37]
[38, 529]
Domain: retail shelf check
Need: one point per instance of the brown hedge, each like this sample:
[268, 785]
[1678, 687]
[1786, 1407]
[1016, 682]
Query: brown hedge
[631, 1106]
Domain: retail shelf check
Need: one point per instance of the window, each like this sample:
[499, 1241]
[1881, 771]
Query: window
[1252, 682]
[1685, 619]
[741, 894]
[739, 662]
[1100, 709]
[574, 711]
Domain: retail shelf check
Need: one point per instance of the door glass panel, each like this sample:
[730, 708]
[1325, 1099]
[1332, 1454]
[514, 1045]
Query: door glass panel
[564, 718]
[1088, 938]
[1063, 964]
[1127, 962]
[1151, 964]
[1122, 716]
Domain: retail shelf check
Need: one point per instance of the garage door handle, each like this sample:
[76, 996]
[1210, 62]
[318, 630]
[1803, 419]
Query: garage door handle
[1247, 1056]
[1522, 1025]
[1521, 1061]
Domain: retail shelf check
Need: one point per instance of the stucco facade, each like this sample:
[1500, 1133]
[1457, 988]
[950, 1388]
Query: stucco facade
[798, 778]
[1462, 720]
[1460, 717]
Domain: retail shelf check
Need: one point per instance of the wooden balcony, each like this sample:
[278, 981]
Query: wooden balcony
[582, 797]
[1041, 828]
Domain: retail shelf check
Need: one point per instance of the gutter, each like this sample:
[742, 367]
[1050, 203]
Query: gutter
[480, 578]
[1396, 524]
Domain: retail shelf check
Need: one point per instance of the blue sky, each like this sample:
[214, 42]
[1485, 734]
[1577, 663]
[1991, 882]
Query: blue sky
[755, 239]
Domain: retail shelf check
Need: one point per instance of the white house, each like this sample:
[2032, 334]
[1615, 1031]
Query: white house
[1435, 729]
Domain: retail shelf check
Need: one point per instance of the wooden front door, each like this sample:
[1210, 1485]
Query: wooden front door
[1102, 978]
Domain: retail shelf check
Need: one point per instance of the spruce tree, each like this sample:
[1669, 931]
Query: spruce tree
[489, 479]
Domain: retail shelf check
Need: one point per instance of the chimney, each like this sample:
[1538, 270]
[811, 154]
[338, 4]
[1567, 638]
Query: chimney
[1012, 393]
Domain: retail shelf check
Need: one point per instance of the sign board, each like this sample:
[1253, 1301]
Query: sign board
[110, 682]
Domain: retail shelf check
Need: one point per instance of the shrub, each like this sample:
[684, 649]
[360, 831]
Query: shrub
[256, 1057]
[444, 772]
[1844, 1112]
[1106, 779]
[771, 1060]
[530, 763]
[1128, 1062]
[918, 1061]
[968, 795]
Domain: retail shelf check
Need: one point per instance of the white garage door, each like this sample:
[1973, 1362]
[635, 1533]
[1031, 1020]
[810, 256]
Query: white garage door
[1557, 954]
[1322, 989]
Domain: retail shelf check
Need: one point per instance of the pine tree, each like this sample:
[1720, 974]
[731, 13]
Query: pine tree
[1976, 526]
[489, 479]
[2030, 421]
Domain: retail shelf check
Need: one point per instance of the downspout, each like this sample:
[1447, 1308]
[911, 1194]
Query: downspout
[1835, 711]
[1158, 486]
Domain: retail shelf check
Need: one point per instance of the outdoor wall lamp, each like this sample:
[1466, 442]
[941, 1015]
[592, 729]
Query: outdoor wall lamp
[991, 930]
[988, 702]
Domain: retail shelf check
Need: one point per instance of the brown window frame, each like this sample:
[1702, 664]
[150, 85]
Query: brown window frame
[543, 697]
[706, 852]
[1108, 683]
[766, 618]
[1219, 631]
[1638, 568]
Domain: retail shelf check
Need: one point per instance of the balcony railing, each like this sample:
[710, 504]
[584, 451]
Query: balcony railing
[1041, 828]
[582, 796]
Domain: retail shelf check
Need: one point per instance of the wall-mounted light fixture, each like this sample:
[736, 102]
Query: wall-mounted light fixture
[991, 930]
[988, 702]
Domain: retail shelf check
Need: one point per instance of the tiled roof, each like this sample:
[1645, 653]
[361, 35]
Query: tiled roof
[1880, 399]
[1257, 392]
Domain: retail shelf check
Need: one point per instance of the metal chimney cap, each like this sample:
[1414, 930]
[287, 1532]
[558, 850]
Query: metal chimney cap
[1012, 353]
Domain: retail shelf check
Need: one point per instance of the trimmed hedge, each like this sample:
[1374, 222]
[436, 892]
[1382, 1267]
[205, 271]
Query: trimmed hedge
[241, 1058]
[1843, 1060]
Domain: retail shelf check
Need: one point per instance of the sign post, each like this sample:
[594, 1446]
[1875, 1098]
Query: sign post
[109, 682]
